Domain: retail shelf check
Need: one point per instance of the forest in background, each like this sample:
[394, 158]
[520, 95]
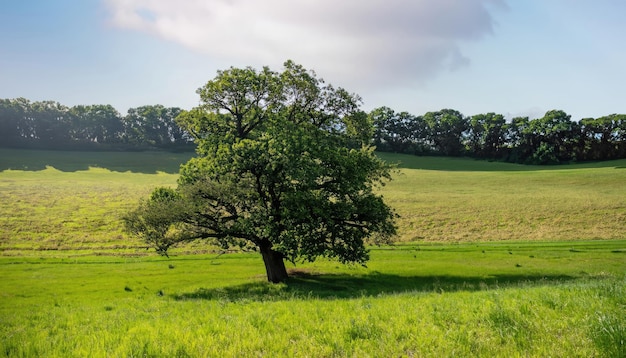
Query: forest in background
[51, 125]
[552, 139]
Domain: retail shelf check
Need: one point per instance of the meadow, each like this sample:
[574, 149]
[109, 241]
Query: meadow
[492, 259]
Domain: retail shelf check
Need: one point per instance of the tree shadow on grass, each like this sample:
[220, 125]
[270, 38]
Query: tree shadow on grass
[452, 164]
[147, 162]
[342, 286]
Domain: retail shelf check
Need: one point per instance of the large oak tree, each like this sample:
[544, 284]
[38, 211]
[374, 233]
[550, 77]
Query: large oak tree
[284, 165]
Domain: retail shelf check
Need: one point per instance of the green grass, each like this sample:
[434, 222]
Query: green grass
[468, 200]
[493, 259]
[66, 161]
[527, 299]
[50, 210]
[77, 207]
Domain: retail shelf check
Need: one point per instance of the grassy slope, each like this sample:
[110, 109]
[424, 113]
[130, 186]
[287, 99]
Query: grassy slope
[73, 201]
[52, 210]
[444, 199]
[510, 298]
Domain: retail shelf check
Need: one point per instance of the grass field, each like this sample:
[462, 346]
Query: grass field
[468, 300]
[493, 259]
[468, 200]
[75, 201]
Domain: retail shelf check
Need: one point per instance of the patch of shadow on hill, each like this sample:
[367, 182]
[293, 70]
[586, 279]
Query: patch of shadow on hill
[148, 162]
[303, 285]
[454, 164]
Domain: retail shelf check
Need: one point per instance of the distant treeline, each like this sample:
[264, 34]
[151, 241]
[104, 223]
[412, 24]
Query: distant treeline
[51, 125]
[551, 139]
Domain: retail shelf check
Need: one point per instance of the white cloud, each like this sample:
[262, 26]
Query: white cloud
[349, 42]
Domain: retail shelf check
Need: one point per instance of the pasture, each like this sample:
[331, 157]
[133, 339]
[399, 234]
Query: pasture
[492, 259]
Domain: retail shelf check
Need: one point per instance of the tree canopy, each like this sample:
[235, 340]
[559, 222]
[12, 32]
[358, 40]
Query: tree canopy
[51, 125]
[283, 165]
[551, 139]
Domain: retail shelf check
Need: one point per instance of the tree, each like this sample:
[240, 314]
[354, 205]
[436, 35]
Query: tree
[12, 113]
[154, 126]
[519, 140]
[51, 123]
[277, 169]
[100, 124]
[556, 137]
[487, 135]
[398, 132]
[446, 129]
[602, 136]
[619, 134]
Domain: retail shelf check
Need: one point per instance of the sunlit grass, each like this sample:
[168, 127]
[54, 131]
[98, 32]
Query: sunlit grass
[493, 259]
[445, 201]
[54, 210]
[501, 201]
[530, 299]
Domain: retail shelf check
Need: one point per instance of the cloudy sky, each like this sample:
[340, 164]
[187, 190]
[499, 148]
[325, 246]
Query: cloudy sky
[520, 57]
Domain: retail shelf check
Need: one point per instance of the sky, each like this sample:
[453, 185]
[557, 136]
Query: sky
[513, 57]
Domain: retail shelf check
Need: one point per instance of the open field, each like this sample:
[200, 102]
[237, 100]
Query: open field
[494, 260]
[467, 300]
[75, 202]
[467, 200]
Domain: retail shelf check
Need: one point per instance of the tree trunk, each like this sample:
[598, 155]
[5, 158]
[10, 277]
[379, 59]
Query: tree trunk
[274, 264]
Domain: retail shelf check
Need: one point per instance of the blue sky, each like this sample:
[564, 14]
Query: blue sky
[519, 57]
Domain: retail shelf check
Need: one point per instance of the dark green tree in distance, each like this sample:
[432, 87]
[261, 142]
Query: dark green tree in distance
[51, 125]
[554, 138]
[603, 137]
[519, 139]
[153, 125]
[487, 135]
[13, 121]
[283, 165]
[399, 132]
[96, 124]
[446, 129]
[619, 134]
[49, 122]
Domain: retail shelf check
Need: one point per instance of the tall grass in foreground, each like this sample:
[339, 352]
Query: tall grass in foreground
[566, 320]
[469, 300]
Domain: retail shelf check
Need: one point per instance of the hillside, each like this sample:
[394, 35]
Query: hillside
[68, 201]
